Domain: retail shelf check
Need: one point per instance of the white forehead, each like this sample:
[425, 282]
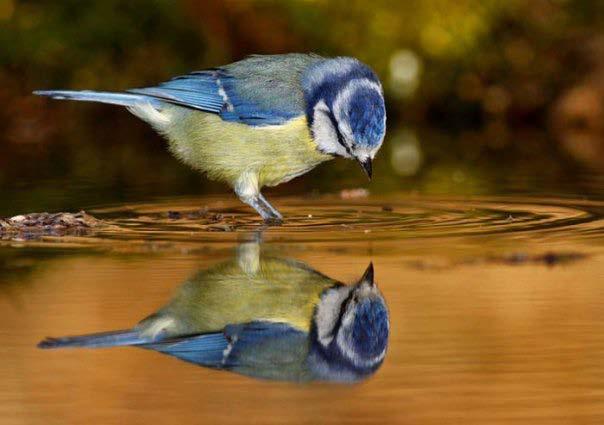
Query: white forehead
[330, 69]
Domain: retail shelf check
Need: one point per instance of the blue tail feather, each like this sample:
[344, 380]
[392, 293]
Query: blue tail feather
[122, 99]
[97, 340]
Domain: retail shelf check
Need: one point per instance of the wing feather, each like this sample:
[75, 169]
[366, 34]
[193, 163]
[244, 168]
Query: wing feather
[259, 90]
[238, 346]
[195, 91]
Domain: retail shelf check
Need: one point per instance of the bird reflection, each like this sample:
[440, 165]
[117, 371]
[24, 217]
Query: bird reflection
[264, 317]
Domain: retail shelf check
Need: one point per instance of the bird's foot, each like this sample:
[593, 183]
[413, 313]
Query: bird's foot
[271, 216]
[268, 213]
[273, 221]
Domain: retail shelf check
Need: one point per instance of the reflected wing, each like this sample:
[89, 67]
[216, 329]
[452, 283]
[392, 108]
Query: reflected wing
[206, 350]
[255, 348]
[265, 344]
[259, 90]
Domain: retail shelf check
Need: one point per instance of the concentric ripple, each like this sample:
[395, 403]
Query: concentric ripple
[330, 218]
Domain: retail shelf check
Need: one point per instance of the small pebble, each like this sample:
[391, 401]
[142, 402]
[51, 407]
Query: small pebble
[354, 193]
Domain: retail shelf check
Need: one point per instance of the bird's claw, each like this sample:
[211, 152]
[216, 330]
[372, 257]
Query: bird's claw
[273, 221]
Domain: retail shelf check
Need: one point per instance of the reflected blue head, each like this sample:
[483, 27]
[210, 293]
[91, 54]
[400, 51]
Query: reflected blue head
[370, 328]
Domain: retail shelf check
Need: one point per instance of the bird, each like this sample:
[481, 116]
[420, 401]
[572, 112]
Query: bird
[263, 120]
[264, 317]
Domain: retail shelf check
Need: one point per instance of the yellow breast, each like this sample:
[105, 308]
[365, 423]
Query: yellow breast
[226, 150]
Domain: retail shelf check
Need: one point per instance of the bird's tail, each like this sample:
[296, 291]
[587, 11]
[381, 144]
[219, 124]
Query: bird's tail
[122, 99]
[98, 340]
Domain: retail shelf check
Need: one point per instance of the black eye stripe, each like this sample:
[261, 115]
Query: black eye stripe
[338, 133]
[343, 306]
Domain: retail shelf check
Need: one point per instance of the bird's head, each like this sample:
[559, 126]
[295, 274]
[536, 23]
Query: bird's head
[352, 326]
[345, 109]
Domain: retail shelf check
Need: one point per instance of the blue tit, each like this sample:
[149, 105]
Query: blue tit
[262, 121]
[264, 317]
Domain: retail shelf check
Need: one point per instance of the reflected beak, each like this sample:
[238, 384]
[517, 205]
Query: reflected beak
[368, 276]
[366, 165]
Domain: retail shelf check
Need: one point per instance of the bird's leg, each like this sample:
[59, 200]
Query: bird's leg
[269, 214]
[248, 257]
[248, 191]
[275, 215]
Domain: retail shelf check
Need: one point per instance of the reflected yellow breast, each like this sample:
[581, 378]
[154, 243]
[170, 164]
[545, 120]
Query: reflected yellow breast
[280, 291]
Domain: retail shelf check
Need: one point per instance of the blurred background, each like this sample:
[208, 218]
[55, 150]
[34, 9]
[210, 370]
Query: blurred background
[484, 96]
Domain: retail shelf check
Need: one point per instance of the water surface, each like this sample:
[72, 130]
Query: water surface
[495, 312]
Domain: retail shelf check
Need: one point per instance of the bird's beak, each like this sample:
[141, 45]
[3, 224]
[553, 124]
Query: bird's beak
[368, 276]
[366, 165]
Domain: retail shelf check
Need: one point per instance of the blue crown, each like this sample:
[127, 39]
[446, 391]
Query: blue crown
[370, 329]
[366, 115]
[326, 79]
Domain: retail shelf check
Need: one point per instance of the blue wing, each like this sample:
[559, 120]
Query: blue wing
[259, 90]
[207, 349]
[249, 348]
[199, 90]
[261, 345]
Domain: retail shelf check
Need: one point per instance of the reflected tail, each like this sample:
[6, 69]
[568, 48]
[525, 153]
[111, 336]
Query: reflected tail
[97, 340]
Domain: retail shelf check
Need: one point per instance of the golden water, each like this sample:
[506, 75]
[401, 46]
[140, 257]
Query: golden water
[496, 310]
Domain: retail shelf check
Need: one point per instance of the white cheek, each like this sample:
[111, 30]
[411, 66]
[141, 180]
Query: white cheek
[324, 133]
[328, 312]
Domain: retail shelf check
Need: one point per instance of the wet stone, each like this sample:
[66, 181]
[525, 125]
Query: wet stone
[30, 226]
[220, 228]
[549, 259]
[200, 214]
[205, 214]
